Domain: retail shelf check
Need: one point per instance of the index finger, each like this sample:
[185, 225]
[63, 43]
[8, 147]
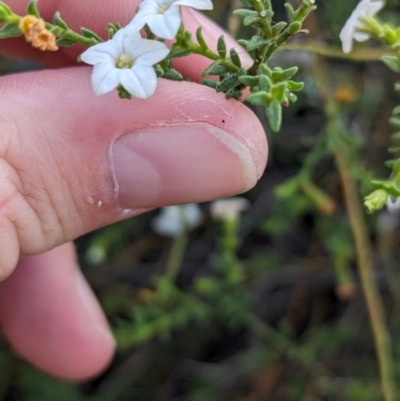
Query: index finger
[95, 15]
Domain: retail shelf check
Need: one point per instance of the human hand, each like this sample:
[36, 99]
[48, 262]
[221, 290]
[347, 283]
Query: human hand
[71, 162]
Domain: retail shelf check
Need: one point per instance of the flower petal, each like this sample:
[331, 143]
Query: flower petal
[197, 4]
[105, 78]
[149, 52]
[166, 25]
[101, 52]
[148, 9]
[140, 81]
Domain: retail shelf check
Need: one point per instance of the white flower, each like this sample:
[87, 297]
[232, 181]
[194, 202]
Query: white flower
[126, 60]
[164, 16]
[229, 208]
[173, 220]
[393, 204]
[349, 31]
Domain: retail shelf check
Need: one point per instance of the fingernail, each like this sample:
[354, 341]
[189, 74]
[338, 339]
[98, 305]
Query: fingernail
[180, 164]
[92, 307]
[211, 31]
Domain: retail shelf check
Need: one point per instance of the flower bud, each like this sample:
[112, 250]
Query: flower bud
[376, 200]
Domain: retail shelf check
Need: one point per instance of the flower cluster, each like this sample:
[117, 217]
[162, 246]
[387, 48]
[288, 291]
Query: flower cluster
[127, 60]
[134, 56]
[36, 33]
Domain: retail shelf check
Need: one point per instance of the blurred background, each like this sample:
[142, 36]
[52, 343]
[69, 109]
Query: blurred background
[268, 305]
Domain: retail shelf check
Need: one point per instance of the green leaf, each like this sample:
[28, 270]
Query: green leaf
[243, 13]
[266, 70]
[396, 110]
[249, 80]
[259, 98]
[173, 75]
[210, 83]
[278, 28]
[278, 91]
[65, 42]
[32, 8]
[295, 86]
[87, 33]
[159, 70]
[247, 3]
[395, 121]
[221, 46]
[290, 9]
[234, 94]
[214, 69]
[5, 12]
[254, 43]
[123, 93]
[392, 62]
[231, 81]
[200, 38]
[285, 74]
[178, 51]
[274, 115]
[254, 22]
[10, 31]
[235, 58]
[265, 83]
[293, 28]
[59, 21]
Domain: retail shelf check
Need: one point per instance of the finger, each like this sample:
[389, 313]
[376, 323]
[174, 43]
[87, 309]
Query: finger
[96, 16]
[71, 162]
[50, 316]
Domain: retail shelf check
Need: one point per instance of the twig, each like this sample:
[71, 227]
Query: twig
[383, 343]
[321, 49]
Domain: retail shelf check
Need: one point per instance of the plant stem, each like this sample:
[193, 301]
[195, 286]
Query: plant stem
[359, 228]
[320, 49]
[176, 255]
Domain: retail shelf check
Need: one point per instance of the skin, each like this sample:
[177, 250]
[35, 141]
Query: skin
[66, 168]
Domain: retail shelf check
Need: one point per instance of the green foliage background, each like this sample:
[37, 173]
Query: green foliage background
[279, 316]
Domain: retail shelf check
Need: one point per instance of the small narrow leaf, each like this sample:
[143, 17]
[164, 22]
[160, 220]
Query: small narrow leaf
[235, 58]
[274, 115]
[234, 94]
[87, 33]
[278, 91]
[259, 98]
[59, 21]
[249, 80]
[391, 62]
[295, 86]
[159, 70]
[214, 69]
[293, 28]
[231, 81]
[200, 38]
[221, 46]
[173, 75]
[9, 31]
[65, 42]
[209, 82]
[265, 83]
[32, 8]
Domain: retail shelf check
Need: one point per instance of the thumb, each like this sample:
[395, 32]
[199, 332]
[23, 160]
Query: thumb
[71, 162]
